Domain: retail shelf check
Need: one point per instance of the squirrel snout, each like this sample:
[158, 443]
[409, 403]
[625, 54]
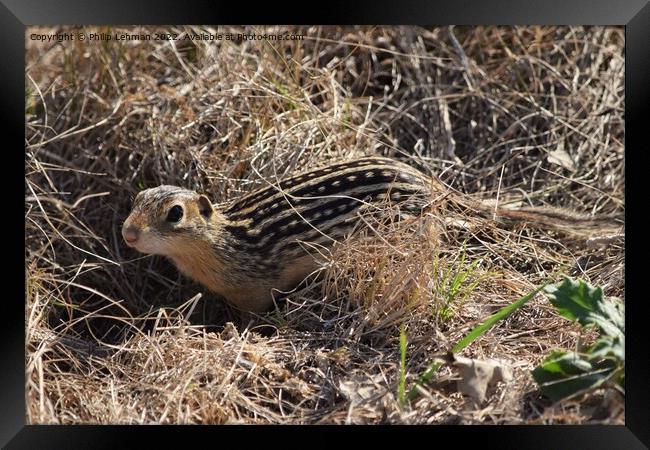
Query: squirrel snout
[130, 234]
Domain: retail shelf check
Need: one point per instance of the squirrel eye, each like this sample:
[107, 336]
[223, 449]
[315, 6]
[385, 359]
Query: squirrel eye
[175, 214]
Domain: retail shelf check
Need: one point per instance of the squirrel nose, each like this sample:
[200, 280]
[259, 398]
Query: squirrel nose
[130, 234]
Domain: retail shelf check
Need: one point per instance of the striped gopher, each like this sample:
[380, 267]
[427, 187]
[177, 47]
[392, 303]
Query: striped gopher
[271, 238]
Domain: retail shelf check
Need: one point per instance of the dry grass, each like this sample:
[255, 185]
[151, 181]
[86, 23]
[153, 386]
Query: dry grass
[531, 115]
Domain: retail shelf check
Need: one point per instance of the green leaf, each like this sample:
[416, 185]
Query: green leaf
[577, 300]
[493, 319]
[607, 346]
[567, 374]
[574, 300]
[563, 375]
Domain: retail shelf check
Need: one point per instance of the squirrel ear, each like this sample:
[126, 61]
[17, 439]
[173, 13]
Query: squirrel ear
[205, 206]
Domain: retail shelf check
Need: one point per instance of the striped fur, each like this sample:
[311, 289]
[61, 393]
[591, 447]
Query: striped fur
[321, 206]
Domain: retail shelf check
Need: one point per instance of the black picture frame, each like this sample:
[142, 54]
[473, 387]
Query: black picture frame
[16, 15]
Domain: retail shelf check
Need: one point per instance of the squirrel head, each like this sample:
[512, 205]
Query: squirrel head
[164, 217]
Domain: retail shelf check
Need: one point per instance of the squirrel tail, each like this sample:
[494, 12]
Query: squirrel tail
[548, 219]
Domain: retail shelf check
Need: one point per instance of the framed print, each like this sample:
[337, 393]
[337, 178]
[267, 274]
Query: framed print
[396, 215]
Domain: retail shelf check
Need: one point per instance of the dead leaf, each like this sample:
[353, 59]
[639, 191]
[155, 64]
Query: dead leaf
[478, 375]
[560, 157]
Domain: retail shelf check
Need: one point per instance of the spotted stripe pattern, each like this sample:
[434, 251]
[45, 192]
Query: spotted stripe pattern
[320, 206]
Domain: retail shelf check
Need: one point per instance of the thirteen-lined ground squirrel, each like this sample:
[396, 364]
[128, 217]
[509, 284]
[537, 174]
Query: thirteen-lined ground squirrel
[267, 239]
